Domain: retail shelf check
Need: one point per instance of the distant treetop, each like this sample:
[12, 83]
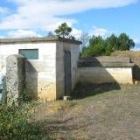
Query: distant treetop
[99, 46]
[63, 31]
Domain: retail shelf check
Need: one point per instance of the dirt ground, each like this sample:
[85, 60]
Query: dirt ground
[104, 112]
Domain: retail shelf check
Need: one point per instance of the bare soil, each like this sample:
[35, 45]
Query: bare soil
[103, 112]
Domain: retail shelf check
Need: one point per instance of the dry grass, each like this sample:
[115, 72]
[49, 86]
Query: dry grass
[126, 53]
[111, 115]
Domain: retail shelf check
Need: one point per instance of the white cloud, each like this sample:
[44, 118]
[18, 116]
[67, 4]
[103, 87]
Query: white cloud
[137, 41]
[44, 14]
[76, 33]
[98, 32]
[22, 33]
[4, 10]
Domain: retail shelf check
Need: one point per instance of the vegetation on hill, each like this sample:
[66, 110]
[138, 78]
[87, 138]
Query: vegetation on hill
[98, 46]
[131, 54]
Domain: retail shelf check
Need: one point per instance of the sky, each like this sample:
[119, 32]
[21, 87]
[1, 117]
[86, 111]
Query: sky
[35, 18]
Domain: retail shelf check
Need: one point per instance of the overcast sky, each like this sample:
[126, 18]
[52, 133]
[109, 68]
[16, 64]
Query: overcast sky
[29, 18]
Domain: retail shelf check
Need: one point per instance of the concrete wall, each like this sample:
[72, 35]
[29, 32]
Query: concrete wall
[74, 49]
[45, 77]
[105, 75]
[40, 73]
[135, 58]
[106, 70]
[15, 79]
[60, 73]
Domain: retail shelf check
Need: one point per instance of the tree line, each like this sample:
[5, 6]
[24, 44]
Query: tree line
[96, 46]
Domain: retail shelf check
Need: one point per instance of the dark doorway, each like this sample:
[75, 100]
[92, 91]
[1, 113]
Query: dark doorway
[67, 66]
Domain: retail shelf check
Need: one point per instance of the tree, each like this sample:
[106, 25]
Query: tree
[113, 42]
[51, 34]
[99, 46]
[84, 39]
[72, 37]
[63, 30]
[125, 43]
[96, 47]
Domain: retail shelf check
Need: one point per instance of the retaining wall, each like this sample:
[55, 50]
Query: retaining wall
[106, 70]
[134, 57]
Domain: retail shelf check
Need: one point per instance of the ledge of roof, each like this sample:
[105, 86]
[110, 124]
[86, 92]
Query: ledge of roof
[37, 39]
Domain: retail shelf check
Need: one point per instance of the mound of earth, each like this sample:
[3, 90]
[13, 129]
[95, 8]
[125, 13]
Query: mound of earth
[130, 54]
[135, 58]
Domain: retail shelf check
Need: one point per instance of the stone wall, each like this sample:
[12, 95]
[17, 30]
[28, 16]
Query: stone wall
[106, 70]
[15, 78]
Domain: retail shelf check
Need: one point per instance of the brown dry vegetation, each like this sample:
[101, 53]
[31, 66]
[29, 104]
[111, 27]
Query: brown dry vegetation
[126, 53]
[104, 112]
[135, 58]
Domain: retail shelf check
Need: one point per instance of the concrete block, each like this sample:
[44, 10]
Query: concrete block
[15, 77]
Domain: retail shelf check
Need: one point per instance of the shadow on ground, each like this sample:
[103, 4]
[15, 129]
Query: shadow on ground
[83, 90]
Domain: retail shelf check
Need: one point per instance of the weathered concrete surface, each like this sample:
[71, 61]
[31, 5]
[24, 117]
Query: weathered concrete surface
[40, 73]
[135, 58]
[105, 61]
[45, 75]
[106, 75]
[60, 73]
[74, 49]
[15, 77]
[106, 70]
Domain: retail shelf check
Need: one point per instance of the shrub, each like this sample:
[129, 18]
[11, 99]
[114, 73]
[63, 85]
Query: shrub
[15, 125]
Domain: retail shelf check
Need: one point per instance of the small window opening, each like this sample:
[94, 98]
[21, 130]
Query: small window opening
[29, 53]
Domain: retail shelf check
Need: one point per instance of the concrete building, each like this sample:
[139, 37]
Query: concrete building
[50, 72]
[52, 67]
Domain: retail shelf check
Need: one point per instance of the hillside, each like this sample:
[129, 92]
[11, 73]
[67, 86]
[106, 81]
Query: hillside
[126, 53]
[135, 58]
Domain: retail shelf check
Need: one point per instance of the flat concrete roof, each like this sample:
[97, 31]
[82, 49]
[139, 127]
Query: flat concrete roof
[37, 39]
